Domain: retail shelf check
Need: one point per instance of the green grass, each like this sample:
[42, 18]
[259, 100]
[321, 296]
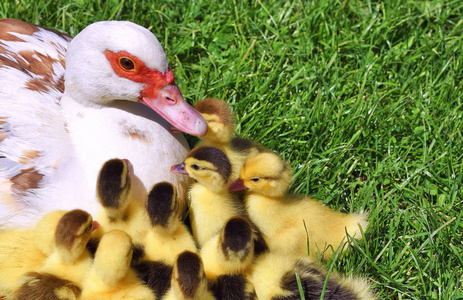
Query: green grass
[364, 98]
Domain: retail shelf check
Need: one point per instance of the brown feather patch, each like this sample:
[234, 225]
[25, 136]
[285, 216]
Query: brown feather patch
[28, 155]
[71, 226]
[27, 179]
[46, 286]
[190, 273]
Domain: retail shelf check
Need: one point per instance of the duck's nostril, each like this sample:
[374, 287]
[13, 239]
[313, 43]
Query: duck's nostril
[170, 101]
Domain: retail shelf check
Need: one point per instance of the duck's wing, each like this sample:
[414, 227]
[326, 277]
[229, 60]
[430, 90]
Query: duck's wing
[33, 137]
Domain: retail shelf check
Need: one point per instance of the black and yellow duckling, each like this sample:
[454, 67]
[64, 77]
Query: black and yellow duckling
[64, 270]
[166, 238]
[274, 277]
[228, 257]
[23, 251]
[290, 222]
[211, 204]
[220, 133]
[120, 209]
[110, 277]
[188, 279]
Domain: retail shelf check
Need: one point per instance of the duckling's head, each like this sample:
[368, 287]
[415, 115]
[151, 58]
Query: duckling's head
[162, 205]
[113, 256]
[220, 119]
[113, 186]
[207, 165]
[45, 231]
[266, 174]
[72, 234]
[236, 245]
[188, 276]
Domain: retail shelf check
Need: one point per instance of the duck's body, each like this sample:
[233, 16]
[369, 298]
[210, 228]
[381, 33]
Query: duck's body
[274, 277]
[291, 224]
[55, 136]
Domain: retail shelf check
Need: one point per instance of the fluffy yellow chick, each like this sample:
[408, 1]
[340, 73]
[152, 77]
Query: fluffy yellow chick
[220, 131]
[110, 277]
[167, 237]
[274, 277]
[211, 204]
[289, 222]
[188, 279]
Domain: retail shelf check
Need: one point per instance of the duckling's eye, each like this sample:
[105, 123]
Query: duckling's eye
[126, 63]
[195, 167]
[255, 179]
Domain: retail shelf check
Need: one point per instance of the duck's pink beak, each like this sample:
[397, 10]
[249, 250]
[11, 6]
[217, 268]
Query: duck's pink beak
[237, 185]
[169, 103]
[179, 169]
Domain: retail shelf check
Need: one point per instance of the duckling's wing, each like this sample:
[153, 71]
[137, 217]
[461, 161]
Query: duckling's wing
[33, 138]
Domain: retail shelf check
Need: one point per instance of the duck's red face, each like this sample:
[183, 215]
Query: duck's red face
[159, 93]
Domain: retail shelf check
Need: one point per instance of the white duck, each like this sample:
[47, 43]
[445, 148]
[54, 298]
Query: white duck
[119, 98]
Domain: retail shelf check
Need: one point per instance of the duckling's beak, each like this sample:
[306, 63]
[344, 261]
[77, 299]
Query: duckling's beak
[95, 225]
[237, 185]
[179, 169]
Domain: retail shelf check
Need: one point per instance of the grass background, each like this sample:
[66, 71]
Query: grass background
[363, 97]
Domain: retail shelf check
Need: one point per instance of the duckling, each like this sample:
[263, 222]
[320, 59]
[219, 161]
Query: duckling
[120, 209]
[188, 279]
[110, 276]
[289, 222]
[211, 204]
[64, 269]
[220, 131]
[23, 251]
[274, 277]
[166, 238]
[69, 258]
[228, 257]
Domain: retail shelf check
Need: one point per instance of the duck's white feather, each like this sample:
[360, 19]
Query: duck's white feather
[52, 146]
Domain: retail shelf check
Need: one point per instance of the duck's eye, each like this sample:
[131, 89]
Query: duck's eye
[126, 63]
[255, 179]
[195, 167]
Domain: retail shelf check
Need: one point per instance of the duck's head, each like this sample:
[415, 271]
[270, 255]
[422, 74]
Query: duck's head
[119, 60]
[220, 119]
[113, 256]
[266, 174]
[162, 205]
[113, 186]
[72, 234]
[207, 165]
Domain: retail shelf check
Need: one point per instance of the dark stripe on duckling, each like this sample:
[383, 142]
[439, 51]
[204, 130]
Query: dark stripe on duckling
[216, 157]
[233, 287]
[236, 237]
[245, 146]
[190, 273]
[162, 203]
[313, 281]
[156, 275]
[46, 286]
[218, 107]
[113, 183]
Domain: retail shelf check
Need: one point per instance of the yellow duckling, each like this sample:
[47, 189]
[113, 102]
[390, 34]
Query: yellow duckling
[289, 222]
[23, 251]
[166, 238]
[120, 210]
[274, 277]
[220, 131]
[188, 279]
[64, 269]
[227, 257]
[211, 204]
[110, 276]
